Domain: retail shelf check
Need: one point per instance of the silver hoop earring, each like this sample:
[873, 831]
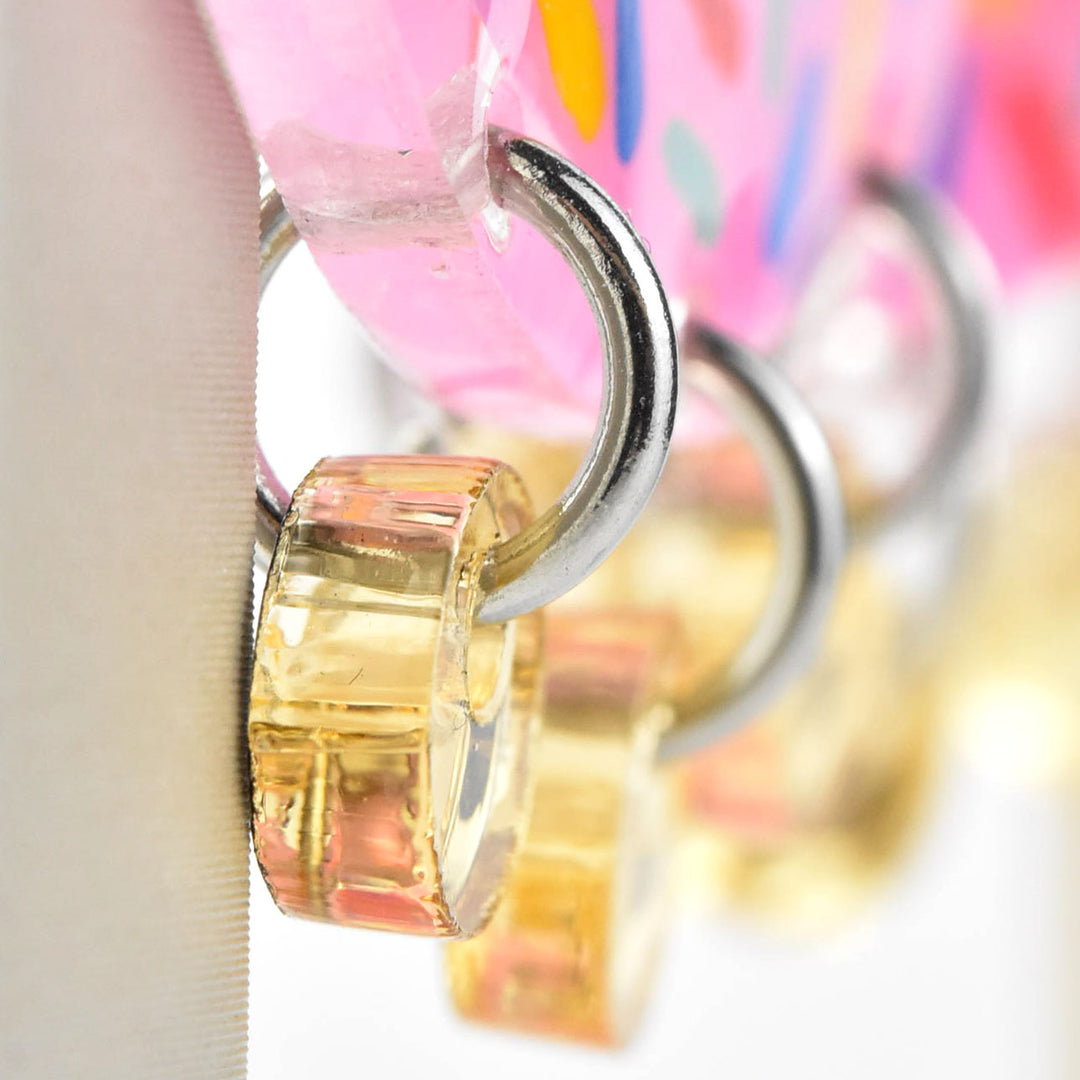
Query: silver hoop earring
[810, 525]
[637, 415]
[397, 660]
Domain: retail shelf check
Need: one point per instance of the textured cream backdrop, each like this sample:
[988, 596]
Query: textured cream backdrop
[127, 322]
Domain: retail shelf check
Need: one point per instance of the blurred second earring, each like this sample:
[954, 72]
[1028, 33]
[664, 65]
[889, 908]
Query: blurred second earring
[798, 819]
[572, 946]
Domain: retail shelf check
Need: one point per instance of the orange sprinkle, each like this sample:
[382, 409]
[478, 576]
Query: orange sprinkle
[577, 59]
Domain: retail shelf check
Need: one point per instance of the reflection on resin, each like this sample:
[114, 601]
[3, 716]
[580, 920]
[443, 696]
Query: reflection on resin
[387, 730]
[869, 350]
[798, 816]
[572, 945]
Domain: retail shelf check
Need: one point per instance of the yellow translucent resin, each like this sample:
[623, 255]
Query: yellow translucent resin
[1011, 686]
[702, 554]
[799, 815]
[571, 948]
[388, 731]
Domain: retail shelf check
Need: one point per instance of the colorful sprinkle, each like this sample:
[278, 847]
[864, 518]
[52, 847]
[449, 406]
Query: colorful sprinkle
[577, 59]
[692, 174]
[721, 34]
[796, 160]
[629, 91]
[1040, 149]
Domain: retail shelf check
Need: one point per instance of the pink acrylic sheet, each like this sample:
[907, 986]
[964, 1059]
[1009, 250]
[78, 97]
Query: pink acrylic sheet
[730, 130]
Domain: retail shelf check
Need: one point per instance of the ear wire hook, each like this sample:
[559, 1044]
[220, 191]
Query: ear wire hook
[565, 543]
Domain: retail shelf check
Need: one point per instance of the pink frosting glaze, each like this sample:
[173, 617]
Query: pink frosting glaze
[730, 131]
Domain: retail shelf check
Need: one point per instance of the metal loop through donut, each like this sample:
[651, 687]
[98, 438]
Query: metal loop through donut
[630, 444]
[810, 523]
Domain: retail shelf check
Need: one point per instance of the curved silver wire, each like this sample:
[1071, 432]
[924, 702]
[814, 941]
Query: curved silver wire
[277, 236]
[629, 447]
[961, 271]
[808, 511]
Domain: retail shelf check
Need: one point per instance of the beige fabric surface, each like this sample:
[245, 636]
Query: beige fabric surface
[127, 323]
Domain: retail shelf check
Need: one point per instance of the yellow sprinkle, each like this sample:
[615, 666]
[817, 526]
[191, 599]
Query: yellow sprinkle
[577, 59]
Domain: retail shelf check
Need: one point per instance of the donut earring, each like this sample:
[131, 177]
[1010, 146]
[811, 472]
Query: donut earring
[802, 814]
[571, 949]
[399, 647]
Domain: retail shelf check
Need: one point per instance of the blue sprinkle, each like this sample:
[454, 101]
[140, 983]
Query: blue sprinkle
[796, 161]
[629, 92]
